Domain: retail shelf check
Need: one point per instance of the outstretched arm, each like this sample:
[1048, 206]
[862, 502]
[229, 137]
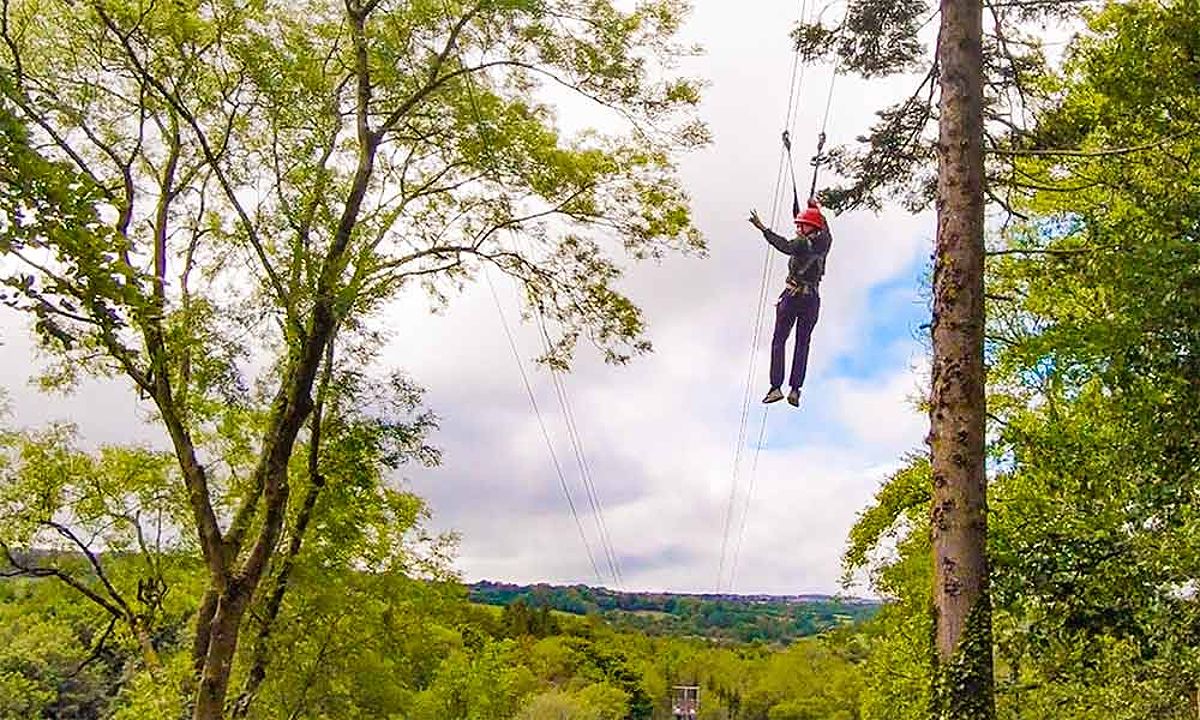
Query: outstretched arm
[780, 243]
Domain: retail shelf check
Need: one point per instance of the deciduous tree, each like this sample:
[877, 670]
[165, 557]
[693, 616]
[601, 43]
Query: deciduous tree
[250, 183]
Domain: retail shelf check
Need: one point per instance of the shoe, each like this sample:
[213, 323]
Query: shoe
[774, 395]
[794, 397]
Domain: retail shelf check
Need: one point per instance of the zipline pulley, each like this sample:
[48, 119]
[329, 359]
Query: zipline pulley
[817, 161]
[819, 158]
[787, 145]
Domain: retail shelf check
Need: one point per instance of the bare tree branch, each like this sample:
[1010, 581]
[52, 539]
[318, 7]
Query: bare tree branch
[57, 573]
[1067, 152]
[1051, 251]
[93, 561]
[97, 648]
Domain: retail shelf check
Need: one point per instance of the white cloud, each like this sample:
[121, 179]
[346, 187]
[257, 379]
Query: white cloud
[106, 411]
[880, 412]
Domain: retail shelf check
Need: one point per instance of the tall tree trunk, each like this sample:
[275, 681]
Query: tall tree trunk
[218, 661]
[274, 603]
[963, 683]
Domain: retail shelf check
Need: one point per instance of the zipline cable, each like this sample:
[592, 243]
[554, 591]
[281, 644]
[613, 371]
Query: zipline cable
[756, 335]
[777, 202]
[593, 499]
[794, 84]
[585, 469]
[817, 160]
[562, 478]
[768, 263]
[737, 547]
[796, 80]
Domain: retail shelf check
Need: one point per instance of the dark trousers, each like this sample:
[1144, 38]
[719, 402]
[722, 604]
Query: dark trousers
[800, 310]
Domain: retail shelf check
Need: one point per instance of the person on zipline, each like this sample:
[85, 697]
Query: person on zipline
[800, 303]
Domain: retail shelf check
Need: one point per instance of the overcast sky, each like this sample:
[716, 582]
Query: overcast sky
[660, 434]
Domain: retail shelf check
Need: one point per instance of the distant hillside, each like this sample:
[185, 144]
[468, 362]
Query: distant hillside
[744, 618]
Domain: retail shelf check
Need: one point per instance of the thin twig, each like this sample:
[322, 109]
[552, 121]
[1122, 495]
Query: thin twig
[1074, 152]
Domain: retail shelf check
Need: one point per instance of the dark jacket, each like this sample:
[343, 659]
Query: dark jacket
[806, 266]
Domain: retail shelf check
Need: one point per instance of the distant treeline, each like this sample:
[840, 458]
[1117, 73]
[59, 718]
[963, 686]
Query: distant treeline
[771, 619]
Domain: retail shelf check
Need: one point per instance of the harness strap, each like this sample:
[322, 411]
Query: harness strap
[813, 260]
[793, 289]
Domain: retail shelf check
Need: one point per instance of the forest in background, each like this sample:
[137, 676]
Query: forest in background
[744, 618]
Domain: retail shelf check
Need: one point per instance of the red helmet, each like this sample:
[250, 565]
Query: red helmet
[811, 216]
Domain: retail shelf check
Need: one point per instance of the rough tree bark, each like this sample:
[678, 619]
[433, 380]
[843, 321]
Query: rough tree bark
[963, 685]
[274, 601]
